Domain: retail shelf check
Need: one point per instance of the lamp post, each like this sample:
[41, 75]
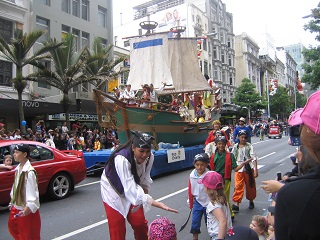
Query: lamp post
[249, 116]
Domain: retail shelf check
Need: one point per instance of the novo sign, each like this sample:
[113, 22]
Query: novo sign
[30, 104]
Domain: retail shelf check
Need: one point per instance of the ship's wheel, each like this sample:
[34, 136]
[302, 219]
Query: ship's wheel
[148, 25]
[178, 30]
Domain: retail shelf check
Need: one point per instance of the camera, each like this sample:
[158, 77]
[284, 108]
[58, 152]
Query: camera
[279, 178]
[294, 132]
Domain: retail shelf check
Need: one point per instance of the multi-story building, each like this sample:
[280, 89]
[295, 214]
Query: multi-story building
[247, 60]
[205, 19]
[290, 69]
[295, 50]
[85, 19]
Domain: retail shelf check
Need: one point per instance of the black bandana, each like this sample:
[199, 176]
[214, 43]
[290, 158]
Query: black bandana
[142, 140]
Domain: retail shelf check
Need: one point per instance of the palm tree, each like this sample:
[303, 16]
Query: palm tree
[100, 67]
[69, 69]
[18, 52]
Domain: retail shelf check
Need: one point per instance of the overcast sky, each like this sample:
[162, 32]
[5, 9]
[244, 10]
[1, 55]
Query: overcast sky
[282, 19]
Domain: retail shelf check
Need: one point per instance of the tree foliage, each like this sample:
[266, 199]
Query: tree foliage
[18, 52]
[72, 68]
[247, 96]
[68, 70]
[280, 103]
[312, 55]
[100, 66]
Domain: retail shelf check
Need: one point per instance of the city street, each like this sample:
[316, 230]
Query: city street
[81, 216]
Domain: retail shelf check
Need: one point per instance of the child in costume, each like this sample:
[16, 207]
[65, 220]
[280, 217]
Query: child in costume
[24, 220]
[198, 199]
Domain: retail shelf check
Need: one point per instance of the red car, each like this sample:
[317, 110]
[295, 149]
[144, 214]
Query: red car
[57, 171]
[274, 132]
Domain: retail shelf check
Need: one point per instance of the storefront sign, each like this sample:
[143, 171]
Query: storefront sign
[74, 117]
[30, 104]
[176, 155]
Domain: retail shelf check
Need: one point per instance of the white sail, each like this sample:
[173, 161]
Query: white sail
[149, 61]
[156, 59]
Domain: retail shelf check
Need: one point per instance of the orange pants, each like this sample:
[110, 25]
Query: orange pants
[241, 179]
[24, 227]
[117, 223]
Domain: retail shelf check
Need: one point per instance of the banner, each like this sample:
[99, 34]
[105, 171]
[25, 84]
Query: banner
[273, 86]
[175, 155]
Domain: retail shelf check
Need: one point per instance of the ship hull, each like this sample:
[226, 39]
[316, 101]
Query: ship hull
[165, 126]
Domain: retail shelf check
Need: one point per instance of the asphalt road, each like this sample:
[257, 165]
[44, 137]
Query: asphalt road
[81, 216]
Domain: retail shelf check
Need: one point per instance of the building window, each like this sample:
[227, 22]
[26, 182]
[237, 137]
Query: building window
[65, 6]
[85, 10]
[5, 73]
[65, 30]
[126, 43]
[85, 39]
[6, 29]
[75, 89]
[43, 24]
[205, 67]
[124, 77]
[76, 39]
[45, 2]
[47, 64]
[75, 7]
[222, 56]
[85, 87]
[104, 42]
[215, 74]
[102, 17]
[215, 55]
[204, 45]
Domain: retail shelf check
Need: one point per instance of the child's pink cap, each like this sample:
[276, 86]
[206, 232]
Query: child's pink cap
[212, 180]
[309, 115]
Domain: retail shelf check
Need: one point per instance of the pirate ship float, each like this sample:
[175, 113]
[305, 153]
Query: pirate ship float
[155, 58]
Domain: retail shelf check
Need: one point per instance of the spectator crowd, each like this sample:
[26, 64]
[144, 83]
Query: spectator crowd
[79, 137]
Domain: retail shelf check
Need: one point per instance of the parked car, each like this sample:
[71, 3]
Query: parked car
[57, 171]
[274, 131]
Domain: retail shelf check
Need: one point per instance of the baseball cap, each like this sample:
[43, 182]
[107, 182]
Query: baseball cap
[309, 115]
[241, 233]
[203, 157]
[162, 229]
[212, 180]
[23, 148]
[242, 119]
[115, 89]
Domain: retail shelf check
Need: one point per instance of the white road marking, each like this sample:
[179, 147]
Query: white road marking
[86, 184]
[159, 200]
[81, 230]
[266, 155]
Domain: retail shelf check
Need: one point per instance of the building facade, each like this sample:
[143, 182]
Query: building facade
[247, 60]
[205, 19]
[84, 19]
